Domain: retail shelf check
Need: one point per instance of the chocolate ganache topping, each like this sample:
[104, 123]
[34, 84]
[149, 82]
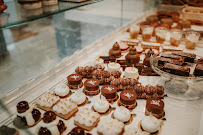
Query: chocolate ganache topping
[22, 106]
[49, 116]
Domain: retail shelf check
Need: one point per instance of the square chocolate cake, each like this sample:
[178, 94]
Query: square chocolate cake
[176, 69]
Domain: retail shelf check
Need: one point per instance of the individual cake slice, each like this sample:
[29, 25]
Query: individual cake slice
[131, 72]
[189, 57]
[86, 119]
[110, 127]
[50, 125]
[128, 99]
[122, 114]
[102, 105]
[109, 92]
[27, 114]
[155, 106]
[78, 97]
[4, 130]
[75, 81]
[62, 90]
[176, 69]
[65, 108]
[91, 87]
[198, 70]
[47, 101]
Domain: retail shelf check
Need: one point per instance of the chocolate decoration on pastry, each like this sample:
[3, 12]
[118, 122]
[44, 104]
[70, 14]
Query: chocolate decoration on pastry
[22, 106]
[91, 87]
[77, 131]
[75, 81]
[115, 51]
[132, 57]
[49, 116]
[128, 97]
[109, 92]
[86, 71]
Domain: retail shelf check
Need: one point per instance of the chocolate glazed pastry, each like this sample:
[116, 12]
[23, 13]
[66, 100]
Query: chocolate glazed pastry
[132, 57]
[77, 131]
[75, 81]
[115, 51]
[91, 87]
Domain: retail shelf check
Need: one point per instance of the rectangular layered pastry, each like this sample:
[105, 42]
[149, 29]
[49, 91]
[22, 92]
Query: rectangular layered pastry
[167, 55]
[148, 45]
[189, 57]
[176, 69]
[162, 61]
[167, 48]
[131, 42]
[65, 109]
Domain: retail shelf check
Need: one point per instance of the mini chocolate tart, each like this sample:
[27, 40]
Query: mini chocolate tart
[109, 92]
[75, 81]
[91, 87]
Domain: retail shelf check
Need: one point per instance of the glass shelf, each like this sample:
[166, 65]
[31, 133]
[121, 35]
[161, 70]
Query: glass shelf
[15, 15]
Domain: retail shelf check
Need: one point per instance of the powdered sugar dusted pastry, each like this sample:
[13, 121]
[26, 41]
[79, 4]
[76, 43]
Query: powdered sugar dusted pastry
[99, 61]
[87, 119]
[110, 127]
[128, 99]
[133, 131]
[50, 125]
[122, 114]
[114, 66]
[150, 124]
[75, 81]
[102, 105]
[28, 114]
[62, 90]
[131, 72]
[91, 87]
[109, 92]
[65, 108]
[78, 97]
[47, 101]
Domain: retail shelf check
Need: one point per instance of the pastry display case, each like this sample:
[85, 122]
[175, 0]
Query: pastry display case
[118, 81]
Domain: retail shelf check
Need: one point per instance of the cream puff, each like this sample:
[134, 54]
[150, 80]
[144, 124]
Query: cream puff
[151, 124]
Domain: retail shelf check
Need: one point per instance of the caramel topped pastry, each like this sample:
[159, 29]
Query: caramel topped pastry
[51, 125]
[27, 114]
[115, 51]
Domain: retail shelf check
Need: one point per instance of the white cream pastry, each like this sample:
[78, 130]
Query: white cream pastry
[52, 126]
[64, 106]
[133, 131]
[62, 90]
[131, 72]
[47, 100]
[99, 61]
[110, 126]
[87, 117]
[122, 114]
[101, 105]
[150, 124]
[28, 116]
[78, 97]
[114, 66]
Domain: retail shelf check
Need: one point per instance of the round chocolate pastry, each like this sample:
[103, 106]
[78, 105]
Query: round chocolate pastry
[22, 106]
[75, 81]
[49, 116]
[91, 87]
[115, 51]
[155, 106]
[109, 92]
[44, 131]
[77, 131]
[132, 57]
[128, 97]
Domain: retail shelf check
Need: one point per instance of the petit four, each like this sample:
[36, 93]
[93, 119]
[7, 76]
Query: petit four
[51, 125]
[110, 127]
[86, 71]
[86, 119]
[77, 131]
[150, 124]
[131, 72]
[75, 81]
[27, 114]
[105, 77]
[198, 70]
[47, 101]
[91, 87]
[4, 130]
[131, 42]
[113, 66]
[62, 90]
[144, 92]
[132, 57]
[155, 107]
[176, 69]
[125, 83]
[189, 57]
[148, 45]
[78, 97]
[101, 105]
[65, 108]
[128, 99]
[169, 48]
[115, 51]
[109, 92]
[124, 47]
[122, 114]
[146, 61]
[99, 61]
[133, 131]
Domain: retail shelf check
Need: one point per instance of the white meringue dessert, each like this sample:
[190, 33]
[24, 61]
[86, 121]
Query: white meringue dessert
[131, 72]
[62, 90]
[102, 105]
[99, 61]
[150, 124]
[78, 97]
[122, 114]
[114, 66]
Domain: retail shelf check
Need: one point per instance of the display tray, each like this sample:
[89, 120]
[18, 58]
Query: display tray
[182, 117]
